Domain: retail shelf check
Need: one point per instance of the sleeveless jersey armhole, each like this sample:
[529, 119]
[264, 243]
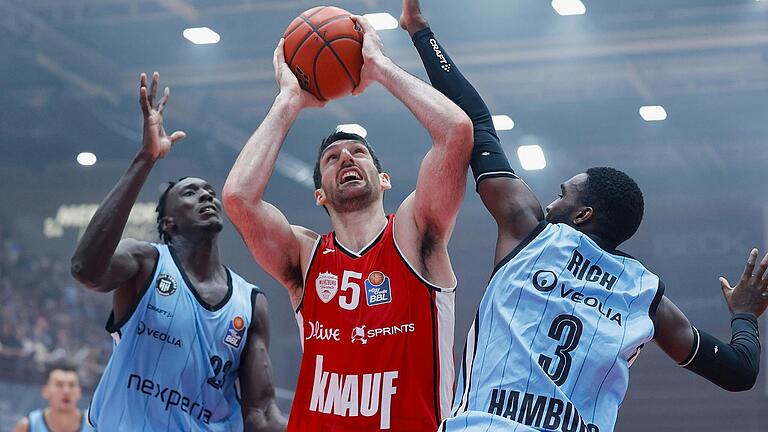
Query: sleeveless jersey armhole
[526, 241]
[306, 272]
[113, 326]
[655, 305]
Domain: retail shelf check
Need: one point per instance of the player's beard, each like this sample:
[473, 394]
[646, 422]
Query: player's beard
[347, 200]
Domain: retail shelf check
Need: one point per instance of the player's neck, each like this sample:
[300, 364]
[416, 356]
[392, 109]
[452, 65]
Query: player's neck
[68, 417]
[199, 258]
[355, 230]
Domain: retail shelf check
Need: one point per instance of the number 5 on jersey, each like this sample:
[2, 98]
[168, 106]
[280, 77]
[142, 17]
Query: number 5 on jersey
[349, 301]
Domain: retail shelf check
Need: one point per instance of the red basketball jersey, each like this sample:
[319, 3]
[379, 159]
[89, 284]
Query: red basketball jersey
[378, 342]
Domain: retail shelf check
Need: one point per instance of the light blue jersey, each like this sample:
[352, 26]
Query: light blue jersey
[175, 360]
[557, 329]
[37, 423]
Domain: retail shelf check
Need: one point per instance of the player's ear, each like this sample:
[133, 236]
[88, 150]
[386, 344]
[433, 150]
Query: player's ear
[167, 223]
[385, 181]
[583, 216]
[320, 198]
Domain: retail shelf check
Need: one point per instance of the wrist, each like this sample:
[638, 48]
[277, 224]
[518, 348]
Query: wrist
[382, 67]
[289, 100]
[145, 156]
[745, 314]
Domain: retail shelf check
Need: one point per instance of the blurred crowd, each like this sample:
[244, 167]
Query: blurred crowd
[46, 316]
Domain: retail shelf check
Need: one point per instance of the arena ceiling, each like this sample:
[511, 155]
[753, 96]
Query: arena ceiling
[571, 84]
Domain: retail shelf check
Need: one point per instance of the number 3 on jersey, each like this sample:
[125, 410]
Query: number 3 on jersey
[571, 327]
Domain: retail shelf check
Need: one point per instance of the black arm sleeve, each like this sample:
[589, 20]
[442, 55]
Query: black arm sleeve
[734, 366]
[488, 158]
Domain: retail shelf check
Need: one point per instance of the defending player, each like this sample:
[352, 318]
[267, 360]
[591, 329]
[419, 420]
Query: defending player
[62, 391]
[191, 336]
[374, 298]
[565, 314]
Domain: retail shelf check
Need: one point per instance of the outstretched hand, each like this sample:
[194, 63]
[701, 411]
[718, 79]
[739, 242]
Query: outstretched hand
[750, 294]
[156, 142]
[287, 82]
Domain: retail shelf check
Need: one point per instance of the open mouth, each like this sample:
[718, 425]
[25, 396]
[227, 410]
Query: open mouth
[349, 176]
[209, 209]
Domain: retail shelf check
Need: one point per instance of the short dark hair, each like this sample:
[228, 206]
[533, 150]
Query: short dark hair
[340, 136]
[60, 365]
[160, 209]
[617, 202]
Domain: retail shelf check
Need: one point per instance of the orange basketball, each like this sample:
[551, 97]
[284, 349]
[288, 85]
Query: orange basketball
[323, 48]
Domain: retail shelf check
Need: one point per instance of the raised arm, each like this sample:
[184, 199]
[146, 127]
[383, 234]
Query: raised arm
[274, 243]
[442, 176]
[260, 411]
[510, 201]
[101, 261]
[732, 366]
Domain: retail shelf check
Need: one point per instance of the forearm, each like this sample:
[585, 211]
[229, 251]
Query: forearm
[251, 172]
[488, 158]
[431, 108]
[733, 366]
[102, 235]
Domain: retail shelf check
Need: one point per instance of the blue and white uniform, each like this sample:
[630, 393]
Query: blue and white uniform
[557, 329]
[37, 423]
[176, 358]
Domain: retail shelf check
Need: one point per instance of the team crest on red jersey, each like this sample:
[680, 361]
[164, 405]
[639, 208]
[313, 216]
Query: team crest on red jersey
[326, 284]
[377, 289]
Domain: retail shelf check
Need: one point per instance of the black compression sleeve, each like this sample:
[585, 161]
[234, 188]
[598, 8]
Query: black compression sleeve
[734, 366]
[488, 158]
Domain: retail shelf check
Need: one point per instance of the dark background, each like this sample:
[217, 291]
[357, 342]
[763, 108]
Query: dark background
[573, 85]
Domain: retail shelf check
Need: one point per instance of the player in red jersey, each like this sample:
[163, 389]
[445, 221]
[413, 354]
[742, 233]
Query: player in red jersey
[373, 298]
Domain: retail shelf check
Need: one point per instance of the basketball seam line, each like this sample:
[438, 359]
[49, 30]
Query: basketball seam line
[290, 32]
[314, 62]
[314, 30]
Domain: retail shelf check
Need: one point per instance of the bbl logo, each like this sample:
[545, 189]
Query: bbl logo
[544, 280]
[377, 289]
[235, 332]
[165, 285]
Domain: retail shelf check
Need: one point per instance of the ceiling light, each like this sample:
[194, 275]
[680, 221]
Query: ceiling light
[569, 7]
[86, 158]
[502, 122]
[201, 35]
[352, 128]
[653, 113]
[531, 157]
[382, 21]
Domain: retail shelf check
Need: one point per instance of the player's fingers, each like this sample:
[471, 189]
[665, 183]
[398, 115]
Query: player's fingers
[280, 51]
[363, 23]
[164, 100]
[725, 286]
[360, 88]
[143, 80]
[143, 101]
[762, 268]
[177, 136]
[750, 267]
[153, 87]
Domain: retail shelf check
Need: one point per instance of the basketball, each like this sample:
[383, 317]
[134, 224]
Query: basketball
[323, 48]
[376, 278]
